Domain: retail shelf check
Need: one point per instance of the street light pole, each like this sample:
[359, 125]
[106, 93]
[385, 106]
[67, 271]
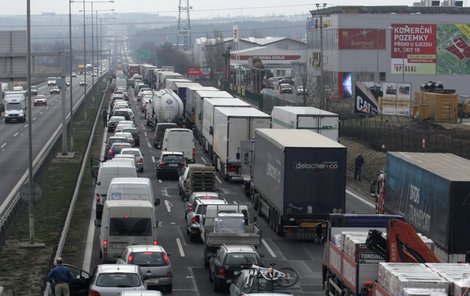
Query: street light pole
[70, 70]
[84, 49]
[92, 48]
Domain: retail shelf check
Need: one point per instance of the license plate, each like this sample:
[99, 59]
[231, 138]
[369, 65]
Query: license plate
[173, 164]
[118, 246]
[153, 281]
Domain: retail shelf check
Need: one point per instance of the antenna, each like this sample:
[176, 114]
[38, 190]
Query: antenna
[183, 40]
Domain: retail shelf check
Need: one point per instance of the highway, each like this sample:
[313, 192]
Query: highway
[190, 276]
[14, 136]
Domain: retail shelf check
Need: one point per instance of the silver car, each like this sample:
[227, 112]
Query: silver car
[154, 264]
[141, 293]
[111, 279]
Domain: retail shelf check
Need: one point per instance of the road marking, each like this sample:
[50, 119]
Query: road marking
[203, 160]
[360, 199]
[270, 251]
[145, 134]
[218, 179]
[167, 205]
[153, 159]
[89, 239]
[148, 144]
[235, 202]
[15, 134]
[159, 181]
[41, 113]
[4, 144]
[180, 247]
[34, 118]
[142, 125]
[25, 126]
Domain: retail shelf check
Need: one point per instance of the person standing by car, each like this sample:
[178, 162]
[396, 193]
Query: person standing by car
[61, 276]
[104, 115]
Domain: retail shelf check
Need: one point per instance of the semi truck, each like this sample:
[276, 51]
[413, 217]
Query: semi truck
[170, 82]
[298, 177]
[432, 192]
[320, 121]
[199, 98]
[190, 106]
[208, 118]
[383, 255]
[232, 125]
[15, 106]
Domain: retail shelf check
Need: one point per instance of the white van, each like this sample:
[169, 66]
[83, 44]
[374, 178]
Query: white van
[180, 140]
[107, 171]
[131, 188]
[124, 223]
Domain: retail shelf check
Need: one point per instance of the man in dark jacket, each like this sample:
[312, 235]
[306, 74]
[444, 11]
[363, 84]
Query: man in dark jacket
[359, 161]
[61, 276]
[104, 115]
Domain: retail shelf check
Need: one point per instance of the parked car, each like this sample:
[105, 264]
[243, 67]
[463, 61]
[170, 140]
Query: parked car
[138, 157]
[116, 148]
[154, 264]
[40, 100]
[199, 195]
[170, 163]
[229, 261]
[261, 287]
[193, 218]
[111, 279]
[113, 122]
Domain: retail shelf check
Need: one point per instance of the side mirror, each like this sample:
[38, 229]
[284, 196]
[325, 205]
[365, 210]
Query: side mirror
[157, 201]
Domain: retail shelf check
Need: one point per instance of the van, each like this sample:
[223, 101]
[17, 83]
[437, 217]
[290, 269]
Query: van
[124, 223]
[131, 188]
[107, 171]
[180, 140]
[160, 132]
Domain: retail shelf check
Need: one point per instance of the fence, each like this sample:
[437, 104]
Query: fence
[410, 138]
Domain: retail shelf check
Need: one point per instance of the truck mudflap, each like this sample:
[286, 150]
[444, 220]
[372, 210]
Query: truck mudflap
[309, 230]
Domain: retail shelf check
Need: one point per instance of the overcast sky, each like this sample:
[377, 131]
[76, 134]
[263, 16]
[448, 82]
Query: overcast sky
[200, 8]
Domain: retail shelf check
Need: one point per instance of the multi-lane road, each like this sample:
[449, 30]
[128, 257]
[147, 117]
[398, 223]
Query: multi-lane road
[190, 276]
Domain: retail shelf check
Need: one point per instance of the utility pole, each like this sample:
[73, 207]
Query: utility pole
[320, 80]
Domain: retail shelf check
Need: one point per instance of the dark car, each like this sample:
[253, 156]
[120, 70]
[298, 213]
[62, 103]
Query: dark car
[113, 121]
[116, 148]
[170, 163]
[229, 261]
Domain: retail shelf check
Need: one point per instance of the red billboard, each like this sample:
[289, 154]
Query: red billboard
[198, 72]
[361, 39]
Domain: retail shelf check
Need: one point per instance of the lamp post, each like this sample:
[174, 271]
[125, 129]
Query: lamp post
[320, 82]
[99, 33]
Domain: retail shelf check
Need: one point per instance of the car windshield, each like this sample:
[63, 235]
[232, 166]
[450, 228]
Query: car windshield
[173, 158]
[14, 106]
[126, 226]
[242, 259]
[118, 280]
[149, 259]
[132, 152]
[117, 148]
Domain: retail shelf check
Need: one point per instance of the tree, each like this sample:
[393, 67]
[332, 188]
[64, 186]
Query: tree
[167, 55]
[320, 95]
[214, 50]
[149, 47]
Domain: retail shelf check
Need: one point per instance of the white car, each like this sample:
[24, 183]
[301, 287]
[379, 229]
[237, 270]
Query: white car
[138, 157]
[126, 135]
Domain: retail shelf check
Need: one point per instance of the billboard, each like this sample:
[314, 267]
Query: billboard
[392, 98]
[364, 101]
[361, 39]
[453, 49]
[198, 72]
[413, 49]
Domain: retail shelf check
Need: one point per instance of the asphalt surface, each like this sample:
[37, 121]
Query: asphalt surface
[190, 276]
[14, 160]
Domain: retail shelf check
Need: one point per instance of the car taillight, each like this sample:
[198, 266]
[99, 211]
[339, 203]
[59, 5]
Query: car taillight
[182, 163]
[105, 245]
[155, 242]
[110, 153]
[193, 219]
[221, 271]
[167, 260]
[94, 293]
[190, 209]
[194, 152]
[233, 169]
[129, 259]
[162, 164]
[97, 197]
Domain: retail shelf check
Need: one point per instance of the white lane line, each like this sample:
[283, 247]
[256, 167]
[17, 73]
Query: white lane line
[142, 125]
[360, 199]
[270, 251]
[218, 179]
[145, 134]
[4, 144]
[15, 134]
[41, 113]
[25, 126]
[235, 202]
[35, 118]
[203, 160]
[167, 205]
[153, 159]
[149, 145]
[159, 181]
[180, 247]
[89, 238]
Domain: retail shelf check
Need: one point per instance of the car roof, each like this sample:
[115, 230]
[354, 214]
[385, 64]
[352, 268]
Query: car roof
[240, 248]
[117, 137]
[120, 144]
[146, 248]
[172, 153]
[212, 201]
[113, 268]
[124, 156]
[117, 117]
[130, 180]
[131, 149]
[205, 193]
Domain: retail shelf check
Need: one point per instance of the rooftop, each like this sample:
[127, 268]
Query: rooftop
[392, 10]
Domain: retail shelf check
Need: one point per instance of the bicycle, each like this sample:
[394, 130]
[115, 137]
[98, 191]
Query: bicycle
[284, 277]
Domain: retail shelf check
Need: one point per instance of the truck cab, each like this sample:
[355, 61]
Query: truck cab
[15, 106]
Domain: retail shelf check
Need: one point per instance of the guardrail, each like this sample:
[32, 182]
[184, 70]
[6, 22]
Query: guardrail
[11, 202]
[68, 219]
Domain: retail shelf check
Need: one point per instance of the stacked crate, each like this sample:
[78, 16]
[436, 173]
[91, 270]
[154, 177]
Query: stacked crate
[442, 107]
[458, 274]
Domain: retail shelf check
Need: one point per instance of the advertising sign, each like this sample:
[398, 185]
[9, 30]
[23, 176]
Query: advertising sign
[361, 39]
[453, 49]
[364, 101]
[393, 98]
[413, 49]
[198, 72]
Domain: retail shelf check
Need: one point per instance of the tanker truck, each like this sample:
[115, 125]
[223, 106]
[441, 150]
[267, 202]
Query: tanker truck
[166, 106]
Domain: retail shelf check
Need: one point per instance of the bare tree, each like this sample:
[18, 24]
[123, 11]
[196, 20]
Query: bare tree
[319, 95]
